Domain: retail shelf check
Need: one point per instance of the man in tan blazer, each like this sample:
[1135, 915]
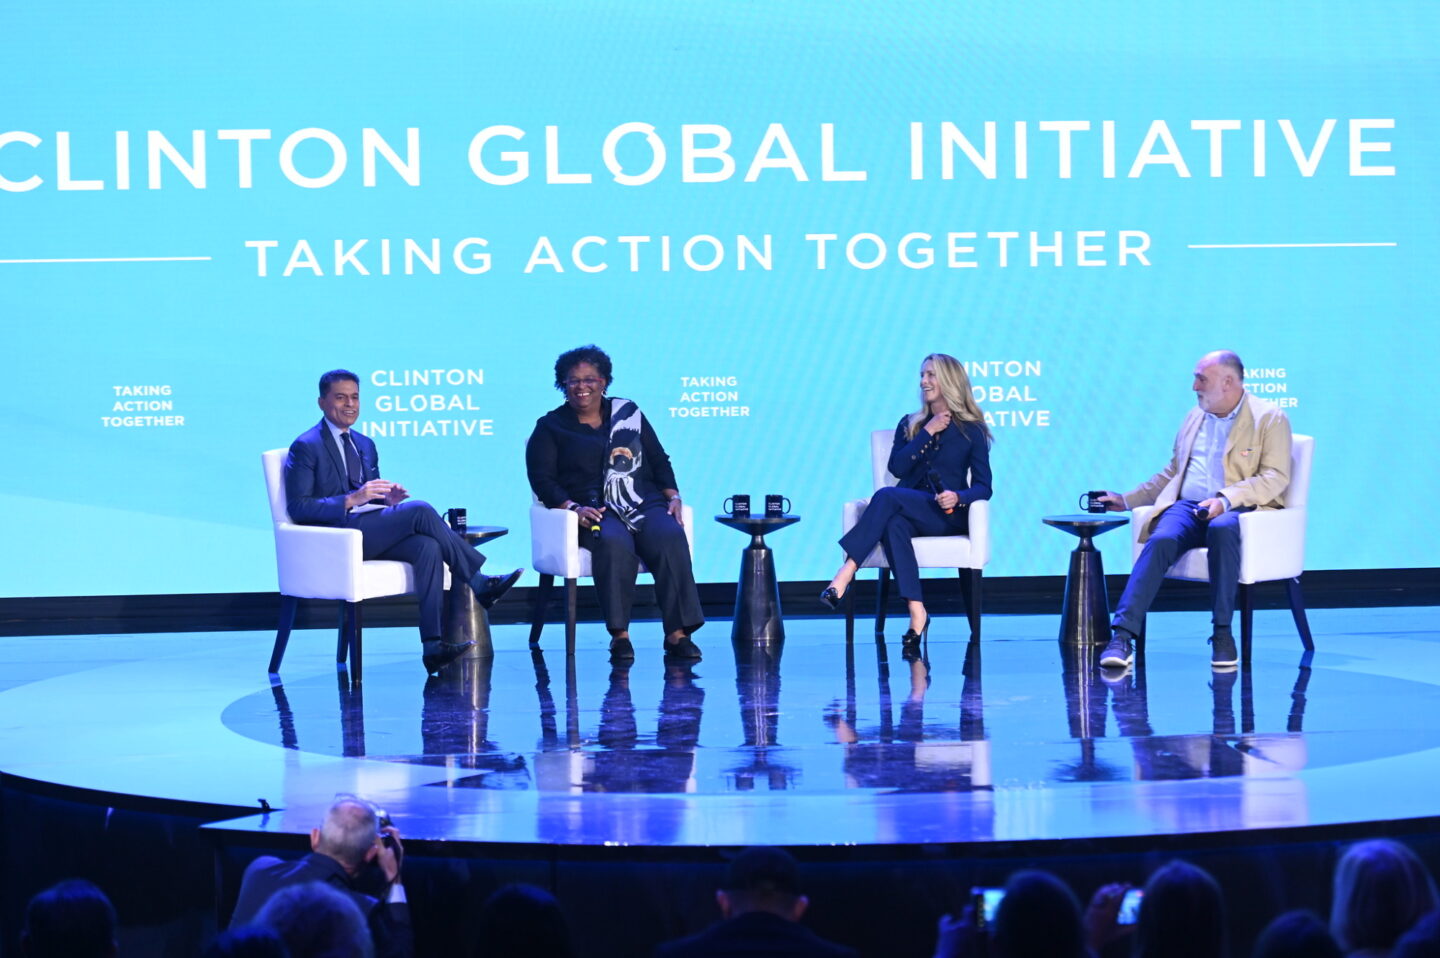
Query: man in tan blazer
[1232, 455]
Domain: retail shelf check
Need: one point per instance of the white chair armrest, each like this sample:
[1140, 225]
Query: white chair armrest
[1138, 516]
[555, 541]
[318, 562]
[979, 533]
[1272, 544]
[851, 514]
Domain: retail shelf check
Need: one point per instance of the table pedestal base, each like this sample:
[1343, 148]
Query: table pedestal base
[1085, 619]
[757, 601]
[467, 621]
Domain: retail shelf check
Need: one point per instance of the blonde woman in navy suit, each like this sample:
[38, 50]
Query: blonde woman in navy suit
[941, 457]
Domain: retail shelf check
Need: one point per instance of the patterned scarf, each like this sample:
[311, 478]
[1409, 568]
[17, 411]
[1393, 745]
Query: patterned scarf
[622, 463]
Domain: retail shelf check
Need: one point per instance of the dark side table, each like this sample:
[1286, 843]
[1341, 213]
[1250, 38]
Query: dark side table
[757, 597]
[1085, 617]
[465, 618]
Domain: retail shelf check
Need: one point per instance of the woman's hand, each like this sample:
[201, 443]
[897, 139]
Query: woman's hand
[947, 500]
[590, 516]
[938, 422]
[676, 509]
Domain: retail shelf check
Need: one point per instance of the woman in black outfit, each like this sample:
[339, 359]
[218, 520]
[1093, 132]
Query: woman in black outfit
[941, 457]
[599, 457]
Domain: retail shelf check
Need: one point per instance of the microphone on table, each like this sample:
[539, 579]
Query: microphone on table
[936, 484]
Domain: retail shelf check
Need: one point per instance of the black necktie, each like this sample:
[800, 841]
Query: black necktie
[352, 462]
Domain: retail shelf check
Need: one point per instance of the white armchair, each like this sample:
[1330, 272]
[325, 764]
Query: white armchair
[555, 551]
[324, 562]
[1272, 547]
[968, 554]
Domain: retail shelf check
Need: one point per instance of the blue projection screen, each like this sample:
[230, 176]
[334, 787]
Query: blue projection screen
[767, 214]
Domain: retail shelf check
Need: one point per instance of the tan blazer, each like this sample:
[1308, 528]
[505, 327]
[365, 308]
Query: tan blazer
[1257, 462]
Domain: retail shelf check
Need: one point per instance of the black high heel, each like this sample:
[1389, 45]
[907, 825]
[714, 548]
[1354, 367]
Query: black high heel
[911, 637]
[830, 598]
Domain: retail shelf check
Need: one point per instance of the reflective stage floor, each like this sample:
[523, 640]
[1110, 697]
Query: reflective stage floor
[1008, 740]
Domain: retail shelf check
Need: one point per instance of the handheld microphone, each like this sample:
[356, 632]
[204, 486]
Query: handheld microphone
[595, 529]
[934, 479]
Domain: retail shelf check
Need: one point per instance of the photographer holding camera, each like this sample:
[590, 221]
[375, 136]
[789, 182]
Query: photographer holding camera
[355, 850]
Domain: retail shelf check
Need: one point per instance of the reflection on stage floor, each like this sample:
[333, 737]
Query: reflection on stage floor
[1015, 738]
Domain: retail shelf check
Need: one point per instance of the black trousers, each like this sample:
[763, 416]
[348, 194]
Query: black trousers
[615, 558]
[413, 532]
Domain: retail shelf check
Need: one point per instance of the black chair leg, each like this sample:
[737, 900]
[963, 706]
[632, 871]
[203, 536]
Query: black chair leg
[356, 634]
[288, 605]
[539, 607]
[1140, 637]
[849, 600]
[571, 590]
[1247, 620]
[342, 638]
[882, 599]
[1297, 611]
[972, 590]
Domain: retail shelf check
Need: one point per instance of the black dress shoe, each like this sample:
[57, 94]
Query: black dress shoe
[492, 587]
[683, 651]
[830, 598]
[621, 650]
[439, 654]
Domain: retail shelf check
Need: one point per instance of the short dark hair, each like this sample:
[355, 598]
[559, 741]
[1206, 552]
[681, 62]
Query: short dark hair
[335, 376]
[71, 918]
[522, 920]
[761, 877]
[1182, 914]
[571, 358]
[1297, 934]
[1038, 918]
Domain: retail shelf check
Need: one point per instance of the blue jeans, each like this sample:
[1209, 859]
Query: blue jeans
[1177, 531]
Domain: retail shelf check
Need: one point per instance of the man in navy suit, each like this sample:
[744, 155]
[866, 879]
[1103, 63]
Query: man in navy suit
[332, 478]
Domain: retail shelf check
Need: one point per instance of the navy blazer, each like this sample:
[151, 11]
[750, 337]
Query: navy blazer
[960, 454]
[315, 480]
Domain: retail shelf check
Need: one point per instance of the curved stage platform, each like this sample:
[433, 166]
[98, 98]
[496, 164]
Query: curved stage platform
[1011, 739]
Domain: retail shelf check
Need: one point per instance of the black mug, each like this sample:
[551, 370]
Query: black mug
[1090, 501]
[776, 506]
[456, 518]
[738, 506]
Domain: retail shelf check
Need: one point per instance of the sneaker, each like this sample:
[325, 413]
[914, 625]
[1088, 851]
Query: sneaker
[1118, 653]
[1222, 650]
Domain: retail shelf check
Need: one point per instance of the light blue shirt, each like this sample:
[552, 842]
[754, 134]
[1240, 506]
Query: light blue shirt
[337, 435]
[1205, 472]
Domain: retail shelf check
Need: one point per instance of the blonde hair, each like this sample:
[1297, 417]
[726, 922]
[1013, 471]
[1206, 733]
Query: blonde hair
[955, 390]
